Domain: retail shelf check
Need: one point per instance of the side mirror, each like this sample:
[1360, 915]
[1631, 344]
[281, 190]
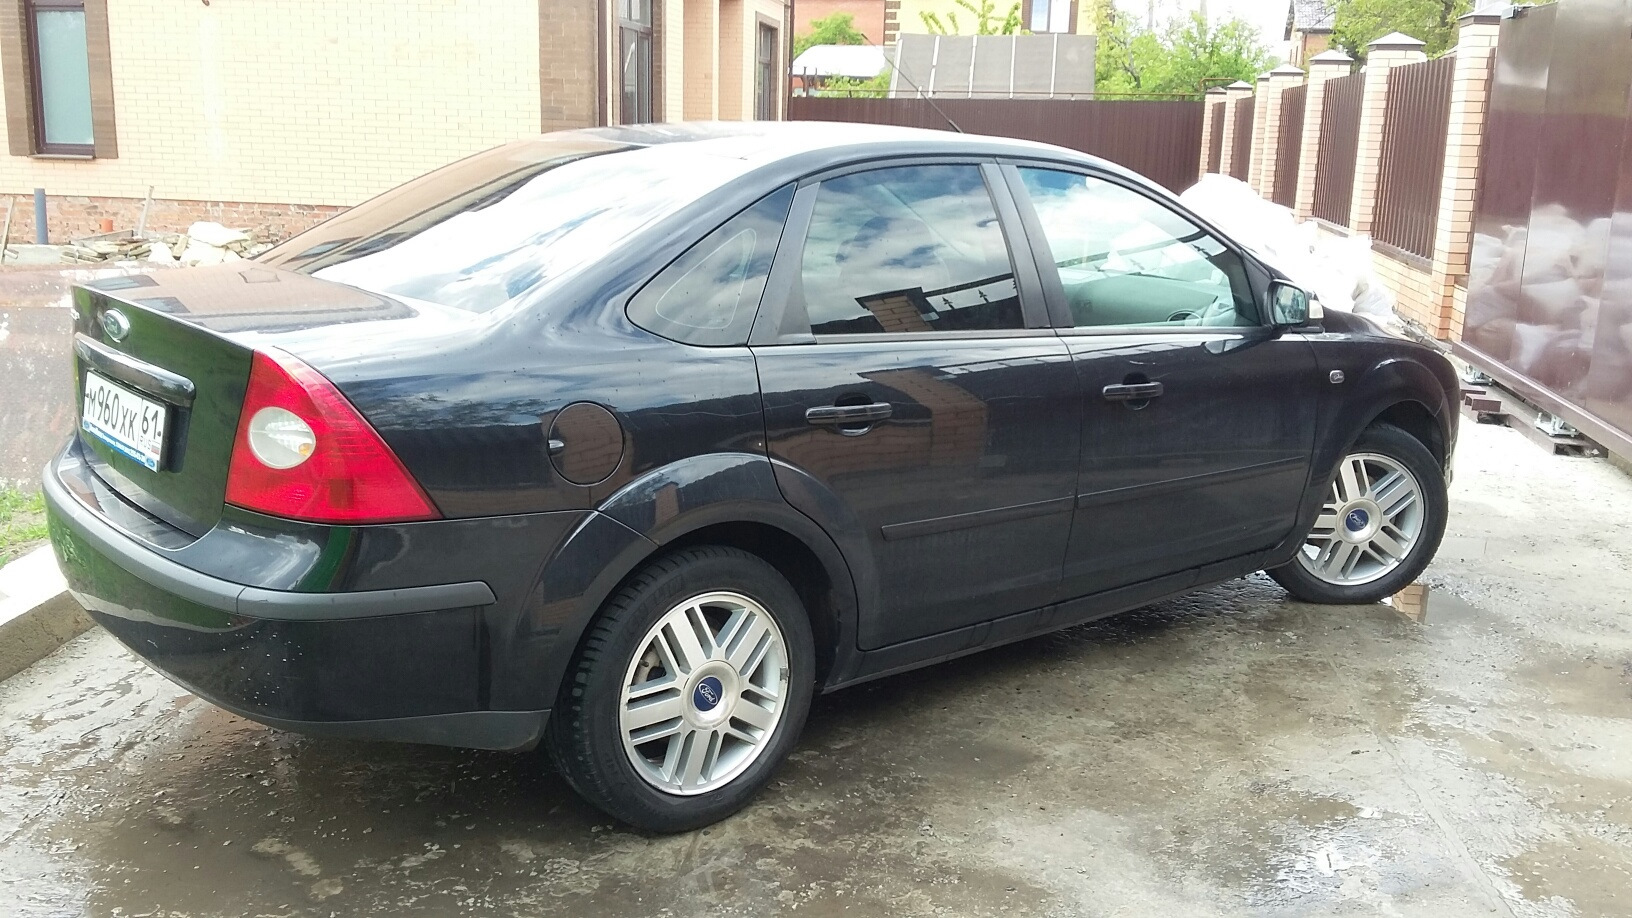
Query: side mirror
[1291, 306]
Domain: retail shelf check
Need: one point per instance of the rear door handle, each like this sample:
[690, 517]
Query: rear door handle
[838, 415]
[1132, 392]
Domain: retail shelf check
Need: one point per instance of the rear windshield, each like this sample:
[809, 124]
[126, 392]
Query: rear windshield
[483, 231]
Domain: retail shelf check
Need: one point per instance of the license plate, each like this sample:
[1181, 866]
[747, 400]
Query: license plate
[129, 423]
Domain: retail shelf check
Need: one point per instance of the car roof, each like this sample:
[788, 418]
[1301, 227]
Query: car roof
[768, 142]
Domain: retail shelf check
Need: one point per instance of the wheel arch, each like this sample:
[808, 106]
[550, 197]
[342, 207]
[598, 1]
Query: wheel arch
[720, 499]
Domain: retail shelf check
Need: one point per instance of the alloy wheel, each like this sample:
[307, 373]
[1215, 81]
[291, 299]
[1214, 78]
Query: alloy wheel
[1369, 525]
[704, 693]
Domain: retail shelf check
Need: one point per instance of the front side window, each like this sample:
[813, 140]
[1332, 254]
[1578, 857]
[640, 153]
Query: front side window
[907, 249]
[1125, 259]
[61, 76]
[635, 52]
[709, 295]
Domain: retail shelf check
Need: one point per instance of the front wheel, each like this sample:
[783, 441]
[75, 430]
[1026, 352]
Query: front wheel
[689, 690]
[1382, 522]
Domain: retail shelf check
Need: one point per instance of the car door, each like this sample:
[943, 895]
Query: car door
[911, 381]
[1197, 416]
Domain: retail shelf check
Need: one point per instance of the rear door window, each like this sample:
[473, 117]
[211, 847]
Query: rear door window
[907, 249]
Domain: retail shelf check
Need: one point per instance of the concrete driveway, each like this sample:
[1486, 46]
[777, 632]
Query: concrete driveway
[1232, 753]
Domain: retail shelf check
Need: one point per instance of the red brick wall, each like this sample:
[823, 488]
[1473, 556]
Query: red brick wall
[69, 217]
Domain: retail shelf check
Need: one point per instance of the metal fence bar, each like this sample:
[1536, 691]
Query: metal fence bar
[1289, 145]
[1241, 147]
[1161, 139]
[1413, 156]
[1215, 145]
[1338, 147]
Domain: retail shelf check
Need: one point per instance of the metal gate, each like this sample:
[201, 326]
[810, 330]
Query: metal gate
[1413, 160]
[1549, 310]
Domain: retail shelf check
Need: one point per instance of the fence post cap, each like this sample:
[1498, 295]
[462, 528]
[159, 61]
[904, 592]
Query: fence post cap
[1486, 14]
[1286, 70]
[1216, 91]
[1397, 40]
[1238, 84]
[1331, 56]
[1266, 76]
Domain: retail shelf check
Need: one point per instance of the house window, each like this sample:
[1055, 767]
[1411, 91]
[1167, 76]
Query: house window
[61, 77]
[767, 85]
[635, 51]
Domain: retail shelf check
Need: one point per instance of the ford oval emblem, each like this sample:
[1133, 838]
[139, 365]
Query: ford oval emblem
[708, 694]
[115, 325]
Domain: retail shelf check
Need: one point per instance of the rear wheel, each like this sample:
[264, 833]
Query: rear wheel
[1382, 522]
[690, 689]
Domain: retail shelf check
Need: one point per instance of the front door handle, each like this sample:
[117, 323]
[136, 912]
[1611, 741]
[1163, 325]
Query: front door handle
[1132, 392]
[842, 415]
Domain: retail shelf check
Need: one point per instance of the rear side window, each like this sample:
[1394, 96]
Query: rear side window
[907, 249]
[709, 295]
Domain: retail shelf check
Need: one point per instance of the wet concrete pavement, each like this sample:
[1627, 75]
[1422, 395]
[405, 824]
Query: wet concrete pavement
[1231, 753]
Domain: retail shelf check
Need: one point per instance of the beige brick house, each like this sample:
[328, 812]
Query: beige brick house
[271, 114]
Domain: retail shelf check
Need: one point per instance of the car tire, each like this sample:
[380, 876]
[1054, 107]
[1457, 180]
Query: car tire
[727, 733]
[1370, 511]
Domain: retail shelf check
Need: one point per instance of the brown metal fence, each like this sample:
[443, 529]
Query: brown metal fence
[1339, 145]
[1241, 145]
[1409, 174]
[1160, 140]
[1289, 146]
[1215, 144]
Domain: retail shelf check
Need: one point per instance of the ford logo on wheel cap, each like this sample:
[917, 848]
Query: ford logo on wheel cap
[115, 325]
[1357, 520]
[708, 693]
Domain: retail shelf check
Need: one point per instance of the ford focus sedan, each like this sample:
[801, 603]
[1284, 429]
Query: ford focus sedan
[629, 441]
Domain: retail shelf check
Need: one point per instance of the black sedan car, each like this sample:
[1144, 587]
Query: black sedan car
[630, 440]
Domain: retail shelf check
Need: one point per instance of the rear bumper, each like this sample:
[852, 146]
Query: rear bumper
[398, 664]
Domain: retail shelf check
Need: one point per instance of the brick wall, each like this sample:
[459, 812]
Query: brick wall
[308, 102]
[73, 217]
[1415, 297]
[566, 65]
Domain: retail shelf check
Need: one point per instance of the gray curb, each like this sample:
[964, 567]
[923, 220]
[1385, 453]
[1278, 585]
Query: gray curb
[37, 615]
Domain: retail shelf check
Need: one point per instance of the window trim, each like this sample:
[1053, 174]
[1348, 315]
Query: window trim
[1054, 289]
[782, 318]
[778, 93]
[620, 25]
[19, 70]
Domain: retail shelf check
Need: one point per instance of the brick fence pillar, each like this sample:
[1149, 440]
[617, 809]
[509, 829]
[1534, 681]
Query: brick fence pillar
[1260, 114]
[1384, 54]
[1453, 233]
[1236, 95]
[1210, 126]
[1326, 66]
[1280, 80]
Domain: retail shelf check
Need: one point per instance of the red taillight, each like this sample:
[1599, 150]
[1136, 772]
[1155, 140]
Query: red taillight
[314, 458]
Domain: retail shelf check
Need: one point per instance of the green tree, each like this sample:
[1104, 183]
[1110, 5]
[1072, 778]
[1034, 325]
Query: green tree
[837, 29]
[874, 87]
[1188, 54]
[1361, 22]
[987, 21]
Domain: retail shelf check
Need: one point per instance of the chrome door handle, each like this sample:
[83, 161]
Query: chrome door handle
[1132, 392]
[838, 415]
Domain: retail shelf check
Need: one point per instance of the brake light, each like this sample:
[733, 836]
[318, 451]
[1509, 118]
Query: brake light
[302, 452]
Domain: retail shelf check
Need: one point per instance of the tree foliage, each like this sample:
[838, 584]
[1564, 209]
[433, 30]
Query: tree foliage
[987, 21]
[1361, 22]
[1185, 56]
[837, 29]
[874, 87]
